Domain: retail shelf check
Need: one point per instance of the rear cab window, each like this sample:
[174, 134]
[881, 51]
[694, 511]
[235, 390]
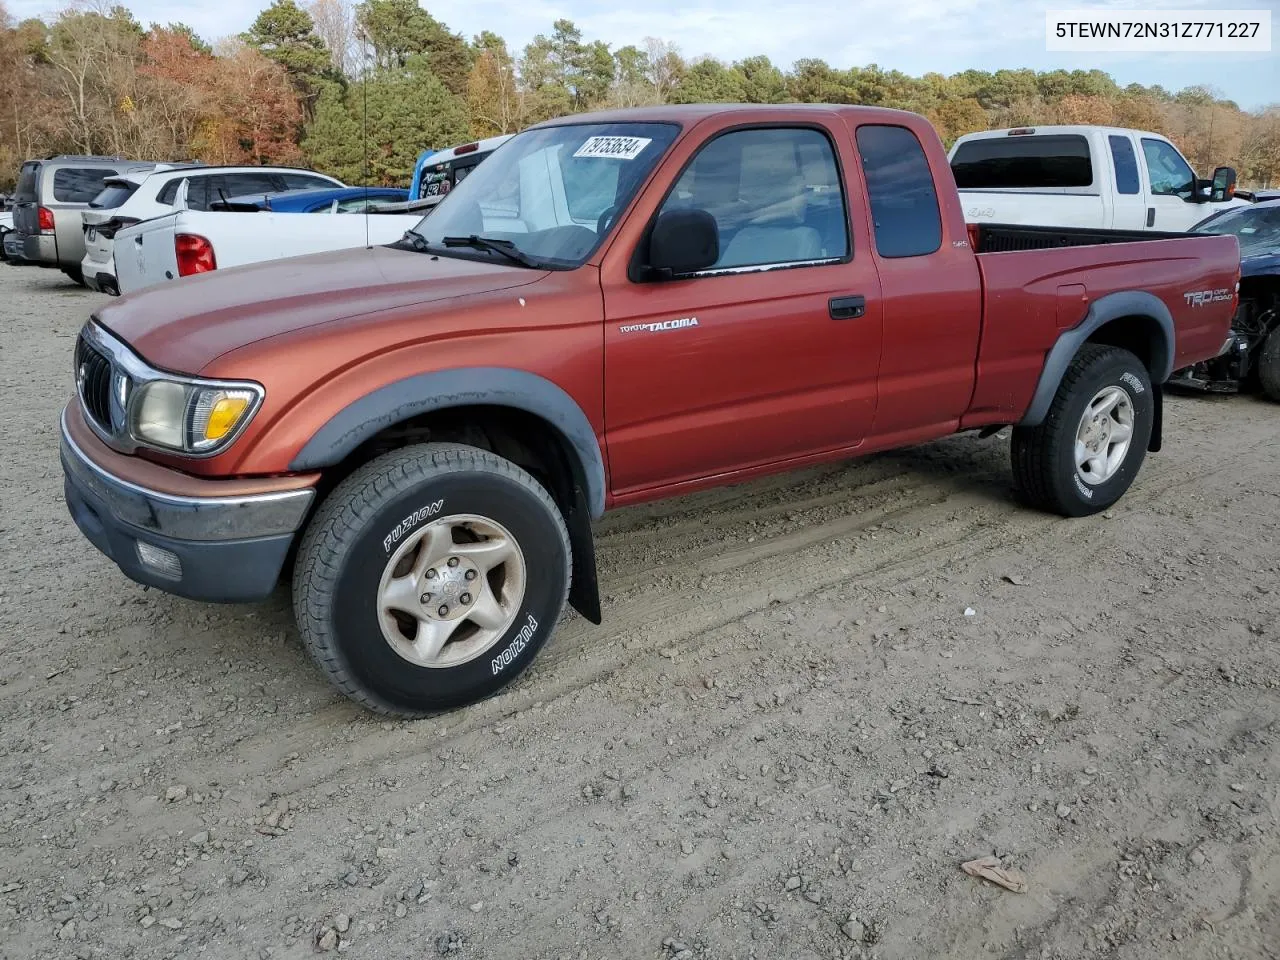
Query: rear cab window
[1126, 164]
[901, 191]
[1023, 162]
[79, 184]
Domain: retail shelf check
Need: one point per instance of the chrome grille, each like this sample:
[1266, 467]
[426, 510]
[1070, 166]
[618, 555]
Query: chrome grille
[93, 379]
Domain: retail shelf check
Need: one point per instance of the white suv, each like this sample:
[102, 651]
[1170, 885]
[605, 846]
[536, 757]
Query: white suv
[134, 197]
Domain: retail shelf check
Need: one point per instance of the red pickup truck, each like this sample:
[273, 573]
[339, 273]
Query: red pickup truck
[613, 308]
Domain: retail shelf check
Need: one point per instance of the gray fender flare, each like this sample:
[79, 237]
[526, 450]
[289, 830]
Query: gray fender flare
[1127, 303]
[425, 392]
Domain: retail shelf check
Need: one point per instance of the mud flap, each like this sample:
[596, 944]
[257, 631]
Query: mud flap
[584, 591]
[1157, 418]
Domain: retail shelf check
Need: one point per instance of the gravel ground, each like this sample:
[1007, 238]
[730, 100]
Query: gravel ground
[783, 742]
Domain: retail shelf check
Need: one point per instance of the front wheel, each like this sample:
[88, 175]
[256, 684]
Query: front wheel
[430, 578]
[1088, 450]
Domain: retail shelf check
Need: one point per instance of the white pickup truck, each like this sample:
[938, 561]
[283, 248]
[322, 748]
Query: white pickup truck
[187, 242]
[1106, 178]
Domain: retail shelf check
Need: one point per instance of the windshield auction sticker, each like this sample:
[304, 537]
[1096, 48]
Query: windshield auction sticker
[616, 148]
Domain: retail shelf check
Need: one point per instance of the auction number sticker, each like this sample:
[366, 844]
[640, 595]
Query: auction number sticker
[617, 148]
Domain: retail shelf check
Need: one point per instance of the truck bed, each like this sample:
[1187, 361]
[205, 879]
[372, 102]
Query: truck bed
[1039, 282]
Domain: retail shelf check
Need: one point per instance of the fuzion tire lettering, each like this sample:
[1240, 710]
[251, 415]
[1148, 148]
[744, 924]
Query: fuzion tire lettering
[504, 659]
[409, 522]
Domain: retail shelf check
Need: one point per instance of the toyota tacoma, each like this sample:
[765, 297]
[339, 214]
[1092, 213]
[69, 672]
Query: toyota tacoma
[613, 308]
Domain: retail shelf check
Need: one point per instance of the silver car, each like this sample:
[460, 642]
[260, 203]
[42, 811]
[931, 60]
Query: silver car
[49, 198]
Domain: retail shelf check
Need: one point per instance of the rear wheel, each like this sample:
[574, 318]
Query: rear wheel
[75, 274]
[1269, 365]
[1088, 450]
[430, 578]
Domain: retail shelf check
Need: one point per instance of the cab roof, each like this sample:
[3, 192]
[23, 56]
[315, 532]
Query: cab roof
[693, 112]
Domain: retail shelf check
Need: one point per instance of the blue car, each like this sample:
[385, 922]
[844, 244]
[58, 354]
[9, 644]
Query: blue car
[322, 200]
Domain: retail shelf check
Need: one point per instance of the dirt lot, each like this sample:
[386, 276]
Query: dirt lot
[783, 742]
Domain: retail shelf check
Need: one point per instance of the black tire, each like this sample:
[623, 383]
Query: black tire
[355, 532]
[74, 274]
[1044, 465]
[1269, 365]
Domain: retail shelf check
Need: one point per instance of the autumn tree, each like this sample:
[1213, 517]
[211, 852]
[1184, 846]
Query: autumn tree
[493, 95]
[257, 113]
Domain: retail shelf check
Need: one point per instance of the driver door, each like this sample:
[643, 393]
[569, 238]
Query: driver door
[768, 356]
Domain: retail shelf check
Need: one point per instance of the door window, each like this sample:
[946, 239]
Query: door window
[1170, 175]
[775, 195]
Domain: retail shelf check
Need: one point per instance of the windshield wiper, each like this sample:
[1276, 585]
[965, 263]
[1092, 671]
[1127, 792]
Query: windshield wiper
[504, 247]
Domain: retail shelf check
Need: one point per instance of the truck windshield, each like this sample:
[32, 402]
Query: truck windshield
[550, 194]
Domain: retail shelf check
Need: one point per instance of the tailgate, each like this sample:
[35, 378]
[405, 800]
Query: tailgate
[144, 253]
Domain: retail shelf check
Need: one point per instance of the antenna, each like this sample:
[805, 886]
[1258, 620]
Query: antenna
[364, 140]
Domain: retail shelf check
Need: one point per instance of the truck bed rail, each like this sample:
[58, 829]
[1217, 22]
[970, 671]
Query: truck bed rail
[1007, 237]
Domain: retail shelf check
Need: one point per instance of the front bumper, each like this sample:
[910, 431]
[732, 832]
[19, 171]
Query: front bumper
[221, 549]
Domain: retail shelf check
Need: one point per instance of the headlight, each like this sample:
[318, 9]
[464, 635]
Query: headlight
[189, 416]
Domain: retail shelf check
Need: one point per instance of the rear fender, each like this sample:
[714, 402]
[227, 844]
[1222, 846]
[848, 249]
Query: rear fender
[1114, 306]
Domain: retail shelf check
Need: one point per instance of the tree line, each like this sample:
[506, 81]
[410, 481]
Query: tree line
[358, 90]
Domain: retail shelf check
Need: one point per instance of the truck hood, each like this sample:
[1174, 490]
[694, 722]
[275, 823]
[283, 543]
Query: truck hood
[185, 325]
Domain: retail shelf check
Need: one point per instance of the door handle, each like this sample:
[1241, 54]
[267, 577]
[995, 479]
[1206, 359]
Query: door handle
[1151, 216]
[847, 308]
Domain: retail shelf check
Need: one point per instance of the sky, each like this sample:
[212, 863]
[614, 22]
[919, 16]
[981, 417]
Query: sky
[915, 36]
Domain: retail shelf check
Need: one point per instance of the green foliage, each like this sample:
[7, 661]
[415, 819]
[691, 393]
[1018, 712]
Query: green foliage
[408, 110]
[710, 81]
[400, 29]
[285, 33]
[332, 142]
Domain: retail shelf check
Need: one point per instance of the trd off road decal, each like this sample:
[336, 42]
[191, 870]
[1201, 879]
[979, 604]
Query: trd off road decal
[409, 522]
[503, 660]
[1198, 298]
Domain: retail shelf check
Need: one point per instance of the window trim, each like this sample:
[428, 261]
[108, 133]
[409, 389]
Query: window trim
[636, 265]
[937, 198]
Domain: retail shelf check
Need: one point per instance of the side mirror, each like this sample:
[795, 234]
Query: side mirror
[682, 242]
[1224, 185]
